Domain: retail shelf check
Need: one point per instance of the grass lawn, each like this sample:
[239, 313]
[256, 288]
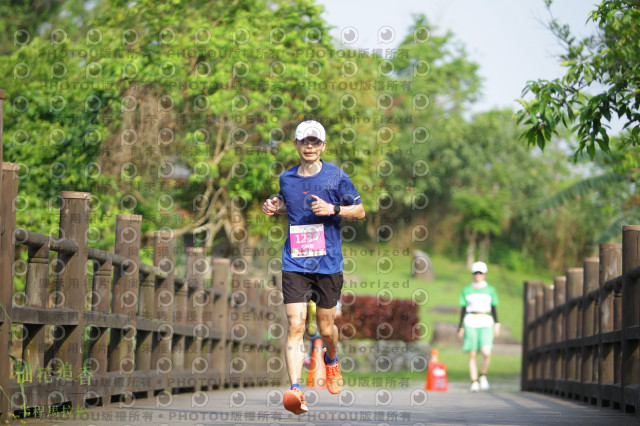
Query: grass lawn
[383, 270]
[503, 369]
[387, 271]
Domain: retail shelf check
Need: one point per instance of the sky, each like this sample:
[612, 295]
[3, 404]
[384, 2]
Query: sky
[507, 38]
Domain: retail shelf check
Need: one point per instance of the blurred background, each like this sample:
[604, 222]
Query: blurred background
[184, 111]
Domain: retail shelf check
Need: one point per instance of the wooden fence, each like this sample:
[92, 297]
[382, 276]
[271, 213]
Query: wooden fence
[114, 329]
[582, 334]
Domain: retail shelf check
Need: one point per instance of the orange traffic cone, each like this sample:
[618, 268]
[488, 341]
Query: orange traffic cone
[317, 375]
[436, 374]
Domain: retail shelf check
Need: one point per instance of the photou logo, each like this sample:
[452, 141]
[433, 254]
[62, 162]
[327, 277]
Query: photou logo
[349, 35]
[237, 399]
[386, 35]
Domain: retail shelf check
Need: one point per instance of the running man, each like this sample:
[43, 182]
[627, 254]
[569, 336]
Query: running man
[315, 195]
[478, 324]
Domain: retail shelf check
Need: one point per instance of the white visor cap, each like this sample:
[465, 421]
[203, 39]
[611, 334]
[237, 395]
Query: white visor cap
[479, 267]
[310, 128]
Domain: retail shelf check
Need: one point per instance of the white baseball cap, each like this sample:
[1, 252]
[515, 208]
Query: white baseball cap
[479, 267]
[310, 128]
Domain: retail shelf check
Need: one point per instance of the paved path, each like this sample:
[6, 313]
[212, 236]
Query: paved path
[357, 406]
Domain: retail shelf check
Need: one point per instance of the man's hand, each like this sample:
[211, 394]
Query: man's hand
[461, 332]
[270, 207]
[321, 207]
[496, 329]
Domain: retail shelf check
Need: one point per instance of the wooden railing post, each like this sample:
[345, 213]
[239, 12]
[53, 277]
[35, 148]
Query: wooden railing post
[100, 302]
[71, 283]
[8, 192]
[209, 343]
[588, 375]
[179, 317]
[547, 295]
[539, 298]
[589, 351]
[36, 292]
[239, 329]
[539, 329]
[2, 96]
[548, 337]
[125, 300]
[256, 331]
[5, 328]
[559, 335]
[197, 267]
[145, 314]
[220, 280]
[610, 267]
[630, 319]
[275, 301]
[275, 331]
[529, 339]
[164, 252]
[574, 289]
[572, 369]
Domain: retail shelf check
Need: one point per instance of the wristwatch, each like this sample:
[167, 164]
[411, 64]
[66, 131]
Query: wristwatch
[336, 209]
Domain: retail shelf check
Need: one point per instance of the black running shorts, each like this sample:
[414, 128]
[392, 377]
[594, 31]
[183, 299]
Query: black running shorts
[323, 289]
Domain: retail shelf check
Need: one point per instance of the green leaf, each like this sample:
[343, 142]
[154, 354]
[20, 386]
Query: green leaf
[581, 189]
[540, 140]
[588, 74]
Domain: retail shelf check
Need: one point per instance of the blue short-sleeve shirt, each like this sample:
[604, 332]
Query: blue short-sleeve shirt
[334, 186]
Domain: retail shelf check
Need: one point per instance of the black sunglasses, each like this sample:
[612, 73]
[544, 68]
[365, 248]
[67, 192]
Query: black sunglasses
[310, 140]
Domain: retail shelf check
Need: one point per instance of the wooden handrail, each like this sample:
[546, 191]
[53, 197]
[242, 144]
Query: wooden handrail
[182, 328]
[585, 343]
[60, 245]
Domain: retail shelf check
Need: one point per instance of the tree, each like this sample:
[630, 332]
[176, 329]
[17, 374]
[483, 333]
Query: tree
[482, 216]
[19, 20]
[181, 85]
[610, 188]
[185, 111]
[422, 170]
[602, 82]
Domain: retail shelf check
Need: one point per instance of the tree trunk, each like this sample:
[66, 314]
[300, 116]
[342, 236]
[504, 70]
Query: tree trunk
[238, 235]
[372, 227]
[471, 237]
[483, 248]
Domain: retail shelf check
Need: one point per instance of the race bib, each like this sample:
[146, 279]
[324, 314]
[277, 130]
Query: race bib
[307, 240]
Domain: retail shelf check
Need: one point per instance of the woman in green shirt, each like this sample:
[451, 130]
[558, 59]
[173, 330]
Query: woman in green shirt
[478, 324]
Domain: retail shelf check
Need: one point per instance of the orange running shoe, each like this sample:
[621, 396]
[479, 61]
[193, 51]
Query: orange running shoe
[294, 401]
[334, 376]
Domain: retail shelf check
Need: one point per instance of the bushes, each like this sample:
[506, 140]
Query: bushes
[371, 317]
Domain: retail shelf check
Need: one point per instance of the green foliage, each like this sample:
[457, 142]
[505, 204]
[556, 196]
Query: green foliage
[443, 82]
[480, 213]
[514, 258]
[21, 19]
[580, 189]
[601, 82]
[55, 139]
[363, 276]
[611, 191]
[81, 113]
[256, 70]
[184, 112]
